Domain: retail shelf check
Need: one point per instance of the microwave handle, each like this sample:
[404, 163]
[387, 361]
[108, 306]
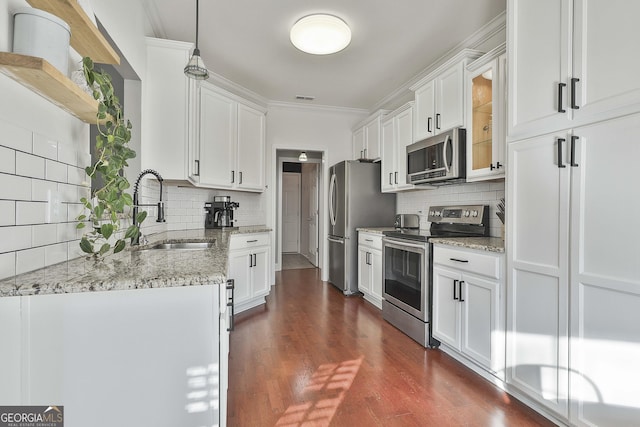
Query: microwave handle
[447, 140]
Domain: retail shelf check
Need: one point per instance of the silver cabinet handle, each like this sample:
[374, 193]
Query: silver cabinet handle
[197, 168]
[240, 173]
[252, 241]
[231, 287]
[233, 176]
[459, 260]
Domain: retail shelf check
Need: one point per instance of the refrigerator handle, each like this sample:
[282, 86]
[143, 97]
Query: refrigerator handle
[334, 240]
[332, 190]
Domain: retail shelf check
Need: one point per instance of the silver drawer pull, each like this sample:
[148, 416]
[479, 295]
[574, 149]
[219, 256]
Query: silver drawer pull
[459, 260]
[368, 240]
[252, 241]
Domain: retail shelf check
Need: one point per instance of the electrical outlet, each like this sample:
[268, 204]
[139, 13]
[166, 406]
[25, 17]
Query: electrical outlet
[54, 207]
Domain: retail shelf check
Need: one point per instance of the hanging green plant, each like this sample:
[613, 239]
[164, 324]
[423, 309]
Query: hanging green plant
[108, 202]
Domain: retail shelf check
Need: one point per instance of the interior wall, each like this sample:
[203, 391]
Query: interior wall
[313, 129]
[44, 151]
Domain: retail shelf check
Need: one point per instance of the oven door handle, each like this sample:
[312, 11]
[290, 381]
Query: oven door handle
[400, 244]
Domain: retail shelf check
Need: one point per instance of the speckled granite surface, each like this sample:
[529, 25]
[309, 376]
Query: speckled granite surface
[375, 230]
[491, 244]
[135, 268]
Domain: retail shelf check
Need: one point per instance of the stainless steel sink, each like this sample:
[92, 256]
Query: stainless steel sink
[184, 246]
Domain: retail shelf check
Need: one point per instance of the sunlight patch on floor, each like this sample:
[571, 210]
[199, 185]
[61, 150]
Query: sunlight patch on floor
[323, 394]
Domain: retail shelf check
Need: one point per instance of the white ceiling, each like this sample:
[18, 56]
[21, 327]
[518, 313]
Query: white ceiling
[247, 42]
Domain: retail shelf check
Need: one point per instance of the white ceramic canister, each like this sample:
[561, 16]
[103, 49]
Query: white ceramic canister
[39, 33]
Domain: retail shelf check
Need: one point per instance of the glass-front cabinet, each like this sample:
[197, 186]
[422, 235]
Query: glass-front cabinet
[486, 82]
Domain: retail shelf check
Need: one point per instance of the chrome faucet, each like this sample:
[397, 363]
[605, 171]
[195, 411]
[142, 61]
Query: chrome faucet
[136, 239]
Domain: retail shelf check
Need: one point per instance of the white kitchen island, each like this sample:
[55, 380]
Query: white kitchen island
[139, 339]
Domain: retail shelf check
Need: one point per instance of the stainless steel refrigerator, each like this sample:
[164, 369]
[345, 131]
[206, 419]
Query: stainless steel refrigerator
[355, 200]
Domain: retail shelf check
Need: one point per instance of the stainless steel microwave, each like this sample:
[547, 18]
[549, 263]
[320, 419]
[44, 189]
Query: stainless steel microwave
[438, 158]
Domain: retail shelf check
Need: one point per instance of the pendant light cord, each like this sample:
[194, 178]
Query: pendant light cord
[197, 20]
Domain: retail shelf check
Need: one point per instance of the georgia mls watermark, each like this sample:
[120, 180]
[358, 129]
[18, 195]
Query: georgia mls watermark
[31, 416]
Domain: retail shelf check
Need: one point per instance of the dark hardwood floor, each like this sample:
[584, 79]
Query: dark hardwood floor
[312, 357]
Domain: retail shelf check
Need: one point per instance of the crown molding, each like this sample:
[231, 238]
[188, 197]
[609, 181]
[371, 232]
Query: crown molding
[328, 108]
[151, 11]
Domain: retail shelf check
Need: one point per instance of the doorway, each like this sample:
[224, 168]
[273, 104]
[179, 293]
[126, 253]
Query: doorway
[299, 211]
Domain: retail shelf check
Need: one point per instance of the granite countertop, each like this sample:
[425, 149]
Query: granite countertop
[375, 230]
[490, 244]
[135, 268]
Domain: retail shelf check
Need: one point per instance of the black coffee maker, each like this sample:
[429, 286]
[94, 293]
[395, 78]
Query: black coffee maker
[219, 212]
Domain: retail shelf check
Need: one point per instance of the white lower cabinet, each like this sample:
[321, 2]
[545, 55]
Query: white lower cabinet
[134, 351]
[10, 351]
[249, 268]
[468, 307]
[370, 267]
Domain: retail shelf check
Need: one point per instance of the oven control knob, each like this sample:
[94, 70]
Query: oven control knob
[466, 213]
[431, 213]
[474, 214]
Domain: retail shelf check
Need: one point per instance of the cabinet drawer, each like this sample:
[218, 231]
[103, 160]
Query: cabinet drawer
[371, 240]
[242, 241]
[477, 262]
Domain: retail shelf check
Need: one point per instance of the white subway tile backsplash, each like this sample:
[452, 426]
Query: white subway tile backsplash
[15, 137]
[45, 147]
[53, 254]
[29, 259]
[15, 238]
[67, 232]
[77, 176]
[14, 187]
[41, 190]
[30, 213]
[73, 250]
[56, 171]
[7, 212]
[29, 165]
[68, 193]
[67, 154]
[84, 160]
[44, 234]
[7, 265]
[74, 210]
[7, 160]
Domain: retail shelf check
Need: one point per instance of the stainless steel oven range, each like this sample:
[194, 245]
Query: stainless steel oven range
[406, 267]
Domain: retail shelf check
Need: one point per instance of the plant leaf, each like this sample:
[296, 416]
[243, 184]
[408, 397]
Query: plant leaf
[86, 245]
[141, 217]
[104, 249]
[119, 246]
[106, 230]
[131, 232]
[79, 225]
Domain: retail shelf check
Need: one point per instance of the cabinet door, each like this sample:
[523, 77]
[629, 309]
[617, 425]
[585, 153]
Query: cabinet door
[375, 259]
[251, 141]
[538, 58]
[605, 35]
[217, 139]
[480, 321]
[364, 270]
[11, 357]
[359, 144]
[372, 132]
[239, 270]
[449, 99]
[424, 112]
[404, 137]
[388, 159]
[537, 271]
[446, 306]
[260, 272]
[483, 132]
[605, 274]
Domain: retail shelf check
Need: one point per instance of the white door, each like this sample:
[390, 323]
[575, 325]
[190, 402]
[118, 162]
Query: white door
[373, 139]
[424, 114]
[359, 144]
[450, 99]
[375, 259]
[250, 173]
[290, 212]
[537, 270]
[446, 306]
[239, 270]
[217, 139]
[388, 155]
[538, 58]
[259, 272]
[605, 274]
[364, 270]
[405, 137]
[312, 225]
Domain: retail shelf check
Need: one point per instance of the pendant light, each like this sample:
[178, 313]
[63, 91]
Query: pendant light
[195, 68]
[302, 157]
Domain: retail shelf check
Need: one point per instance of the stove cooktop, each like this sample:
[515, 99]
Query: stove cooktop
[409, 234]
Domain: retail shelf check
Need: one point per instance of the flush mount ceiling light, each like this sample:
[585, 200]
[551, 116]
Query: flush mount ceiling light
[195, 68]
[320, 34]
[302, 157]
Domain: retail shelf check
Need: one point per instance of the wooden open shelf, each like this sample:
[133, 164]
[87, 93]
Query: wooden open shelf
[86, 39]
[44, 79]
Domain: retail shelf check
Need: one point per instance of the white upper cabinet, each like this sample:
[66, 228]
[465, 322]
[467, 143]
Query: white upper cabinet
[439, 97]
[397, 131]
[367, 137]
[486, 84]
[574, 69]
[231, 143]
[168, 99]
